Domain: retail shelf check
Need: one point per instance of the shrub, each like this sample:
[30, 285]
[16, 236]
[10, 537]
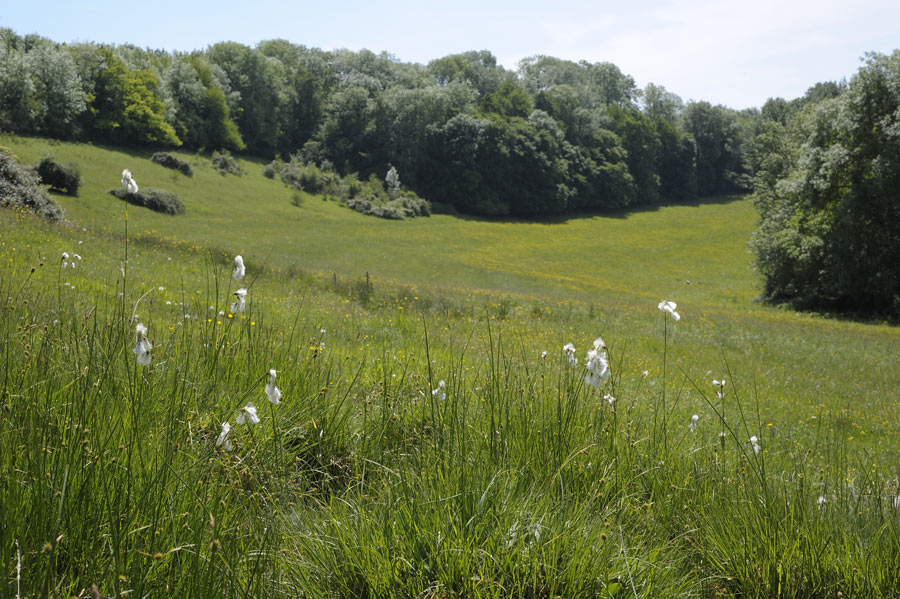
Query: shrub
[270, 170]
[369, 197]
[167, 160]
[60, 177]
[224, 162]
[308, 177]
[20, 187]
[157, 200]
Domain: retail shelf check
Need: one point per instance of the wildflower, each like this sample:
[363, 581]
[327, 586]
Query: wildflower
[667, 306]
[441, 391]
[610, 400]
[645, 374]
[720, 385]
[821, 502]
[65, 256]
[248, 415]
[543, 355]
[240, 304]
[693, 424]
[597, 364]
[569, 350]
[142, 345]
[128, 182]
[239, 270]
[223, 441]
[273, 392]
[754, 442]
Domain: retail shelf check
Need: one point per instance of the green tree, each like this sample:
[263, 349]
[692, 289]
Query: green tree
[509, 100]
[641, 142]
[202, 117]
[259, 82]
[127, 107]
[826, 190]
[717, 133]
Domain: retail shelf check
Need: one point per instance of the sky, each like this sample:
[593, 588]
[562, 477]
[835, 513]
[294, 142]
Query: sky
[723, 51]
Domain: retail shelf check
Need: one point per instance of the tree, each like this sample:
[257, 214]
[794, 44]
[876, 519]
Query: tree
[641, 142]
[17, 108]
[405, 118]
[826, 190]
[58, 97]
[347, 132]
[509, 100]
[479, 69]
[259, 81]
[127, 107]
[661, 105]
[717, 134]
[202, 117]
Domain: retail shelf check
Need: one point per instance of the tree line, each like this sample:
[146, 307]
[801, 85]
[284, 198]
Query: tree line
[553, 136]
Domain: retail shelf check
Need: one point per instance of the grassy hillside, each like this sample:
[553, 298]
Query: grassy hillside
[695, 253]
[516, 479]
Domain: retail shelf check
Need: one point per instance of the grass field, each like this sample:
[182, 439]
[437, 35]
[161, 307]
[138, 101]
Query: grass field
[521, 482]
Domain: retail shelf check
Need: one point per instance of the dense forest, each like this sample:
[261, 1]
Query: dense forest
[467, 134]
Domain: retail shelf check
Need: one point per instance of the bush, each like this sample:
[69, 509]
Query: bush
[270, 170]
[224, 162]
[308, 177]
[59, 177]
[157, 200]
[20, 188]
[167, 160]
[369, 197]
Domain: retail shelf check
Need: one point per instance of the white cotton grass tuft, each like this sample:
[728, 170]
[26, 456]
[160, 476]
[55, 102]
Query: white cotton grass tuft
[597, 364]
[822, 502]
[569, 350]
[667, 306]
[440, 391]
[66, 263]
[128, 182]
[223, 441]
[248, 415]
[610, 400]
[720, 388]
[754, 442]
[272, 391]
[693, 424]
[239, 270]
[142, 345]
[241, 303]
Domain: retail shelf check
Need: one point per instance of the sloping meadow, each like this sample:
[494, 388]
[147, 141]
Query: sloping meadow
[427, 441]
[423, 444]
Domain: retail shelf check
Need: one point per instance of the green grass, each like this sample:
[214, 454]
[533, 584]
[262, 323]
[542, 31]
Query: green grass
[523, 482]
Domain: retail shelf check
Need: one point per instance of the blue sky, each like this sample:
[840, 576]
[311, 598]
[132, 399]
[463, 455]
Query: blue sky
[733, 53]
